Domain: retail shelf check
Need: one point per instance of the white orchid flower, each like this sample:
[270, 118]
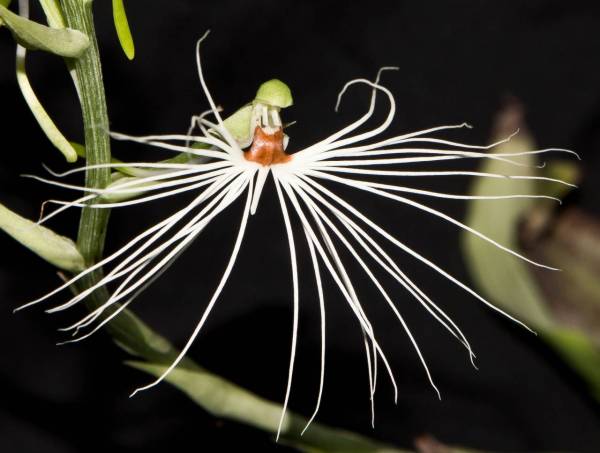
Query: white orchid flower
[235, 160]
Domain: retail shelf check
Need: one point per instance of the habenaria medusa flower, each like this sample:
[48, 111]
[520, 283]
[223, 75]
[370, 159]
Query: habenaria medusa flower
[233, 158]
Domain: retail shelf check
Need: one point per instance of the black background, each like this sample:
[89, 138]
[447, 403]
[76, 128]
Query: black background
[458, 60]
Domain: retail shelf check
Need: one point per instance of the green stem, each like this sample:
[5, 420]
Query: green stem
[93, 222]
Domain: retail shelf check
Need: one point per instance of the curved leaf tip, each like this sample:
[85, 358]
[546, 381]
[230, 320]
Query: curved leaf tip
[40, 114]
[123, 30]
[64, 42]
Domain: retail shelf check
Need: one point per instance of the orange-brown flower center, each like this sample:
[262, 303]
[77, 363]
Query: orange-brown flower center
[267, 149]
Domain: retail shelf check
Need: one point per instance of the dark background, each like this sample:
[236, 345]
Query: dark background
[458, 61]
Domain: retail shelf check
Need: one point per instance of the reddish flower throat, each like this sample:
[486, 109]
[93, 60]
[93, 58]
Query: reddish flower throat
[267, 149]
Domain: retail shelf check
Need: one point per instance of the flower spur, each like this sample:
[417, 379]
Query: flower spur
[219, 171]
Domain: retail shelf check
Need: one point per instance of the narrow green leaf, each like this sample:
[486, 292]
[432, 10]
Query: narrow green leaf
[220, 397]
[34, 36]
[227, 400]
[42, 117]
[123, 30]
[57, 250]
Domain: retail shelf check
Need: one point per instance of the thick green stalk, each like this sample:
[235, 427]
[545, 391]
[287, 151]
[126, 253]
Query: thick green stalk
[92, 227]
[93, 222]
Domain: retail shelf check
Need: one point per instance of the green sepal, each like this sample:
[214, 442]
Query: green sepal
[238, 124]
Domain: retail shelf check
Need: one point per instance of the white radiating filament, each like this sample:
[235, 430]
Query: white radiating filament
[219, 175]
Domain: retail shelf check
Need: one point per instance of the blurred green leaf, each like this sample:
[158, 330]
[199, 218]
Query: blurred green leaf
[564, 307]
[123, 30]
[504, 278]
[34, 36]
[4, 3]
[57, 250]
[429, 444]
[579, 352]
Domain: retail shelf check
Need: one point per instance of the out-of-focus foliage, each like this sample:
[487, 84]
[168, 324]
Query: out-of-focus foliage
[563, 306]
[4, 3]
